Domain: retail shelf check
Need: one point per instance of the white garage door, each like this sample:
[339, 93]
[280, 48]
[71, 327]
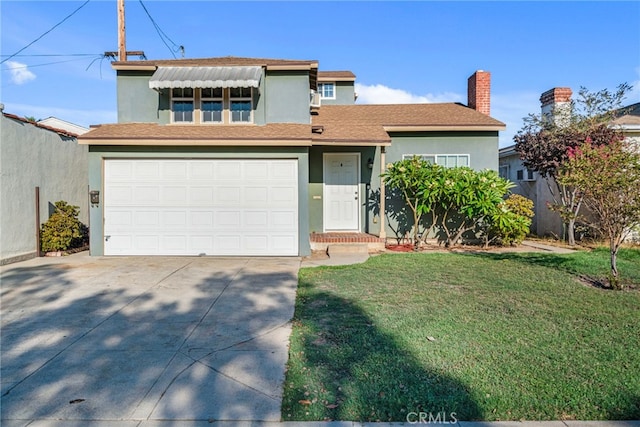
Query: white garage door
[201, 207]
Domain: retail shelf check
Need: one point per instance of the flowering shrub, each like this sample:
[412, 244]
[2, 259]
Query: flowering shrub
[458, 200]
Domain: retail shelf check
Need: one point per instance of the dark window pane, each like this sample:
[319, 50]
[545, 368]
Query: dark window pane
[240, 111]
[212, 111]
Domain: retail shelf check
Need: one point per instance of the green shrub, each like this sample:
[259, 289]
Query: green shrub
[63, 230]
[510, 224]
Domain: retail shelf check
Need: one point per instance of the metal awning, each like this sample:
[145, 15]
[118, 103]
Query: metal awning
[205, 77]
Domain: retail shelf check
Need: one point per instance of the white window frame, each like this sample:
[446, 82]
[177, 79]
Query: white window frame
[433, 158]
[182, 99]
[240, 99]
[214, 99]
[321, 90]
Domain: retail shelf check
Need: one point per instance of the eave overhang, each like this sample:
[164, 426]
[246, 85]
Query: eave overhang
[432, 128]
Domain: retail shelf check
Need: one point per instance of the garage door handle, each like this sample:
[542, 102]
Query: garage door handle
[106, 238]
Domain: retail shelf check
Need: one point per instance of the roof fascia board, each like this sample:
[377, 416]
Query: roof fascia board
[303, 67]
[349, 143]
[336, 79]
[197, 142]
[127, 67]
[444, 128]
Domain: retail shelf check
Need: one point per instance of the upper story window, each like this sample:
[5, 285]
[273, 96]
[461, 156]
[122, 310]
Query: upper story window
[240, 104]
[182, 103]
[212, 105]
[327, 90]
[446, 160]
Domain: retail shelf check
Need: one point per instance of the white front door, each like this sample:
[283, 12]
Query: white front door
[341, 192]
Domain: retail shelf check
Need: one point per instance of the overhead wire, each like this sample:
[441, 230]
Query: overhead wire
[48, 63]
[46, 32]
[52, 54]
[162, 34]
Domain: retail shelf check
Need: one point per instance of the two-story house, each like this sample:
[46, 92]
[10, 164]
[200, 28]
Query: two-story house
[249, 156]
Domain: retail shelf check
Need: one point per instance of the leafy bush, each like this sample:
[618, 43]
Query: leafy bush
[457, 200]
[63, 230]
[510, 223]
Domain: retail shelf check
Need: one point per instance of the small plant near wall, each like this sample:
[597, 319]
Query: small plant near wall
[63, 230]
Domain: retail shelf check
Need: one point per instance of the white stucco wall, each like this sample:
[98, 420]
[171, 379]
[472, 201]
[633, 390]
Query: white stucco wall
[34, 157]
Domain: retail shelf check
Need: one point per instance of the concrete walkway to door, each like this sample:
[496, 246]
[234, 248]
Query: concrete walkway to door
[119, 340]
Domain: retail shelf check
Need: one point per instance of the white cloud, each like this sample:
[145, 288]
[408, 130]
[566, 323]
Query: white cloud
[20, 74]
[381, 94]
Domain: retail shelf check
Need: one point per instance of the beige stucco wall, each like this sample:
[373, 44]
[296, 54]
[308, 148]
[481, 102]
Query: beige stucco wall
[545, 222]
[33, 157]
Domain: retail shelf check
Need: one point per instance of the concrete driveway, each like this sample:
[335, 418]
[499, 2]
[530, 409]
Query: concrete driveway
[144, 339]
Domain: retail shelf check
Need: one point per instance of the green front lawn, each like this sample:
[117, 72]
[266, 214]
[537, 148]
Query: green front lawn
[484, 336]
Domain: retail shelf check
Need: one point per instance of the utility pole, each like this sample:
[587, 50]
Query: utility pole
[122, 42]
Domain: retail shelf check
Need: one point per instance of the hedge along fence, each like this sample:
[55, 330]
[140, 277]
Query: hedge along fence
[452, 202]
[63, 230]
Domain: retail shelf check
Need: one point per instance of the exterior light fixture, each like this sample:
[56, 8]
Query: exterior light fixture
[94, 195]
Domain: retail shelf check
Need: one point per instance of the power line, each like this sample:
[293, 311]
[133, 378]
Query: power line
[162, 33]
[52, 54]
[46, 32]
[48, 63]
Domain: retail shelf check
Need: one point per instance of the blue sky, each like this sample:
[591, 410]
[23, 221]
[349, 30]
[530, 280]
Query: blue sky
[419, 51]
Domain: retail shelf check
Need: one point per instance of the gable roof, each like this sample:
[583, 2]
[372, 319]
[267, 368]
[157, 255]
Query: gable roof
[628, 116]
[339, 76]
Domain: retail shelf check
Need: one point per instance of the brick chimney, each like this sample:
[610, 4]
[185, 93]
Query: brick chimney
[479, 91]
[555, 103]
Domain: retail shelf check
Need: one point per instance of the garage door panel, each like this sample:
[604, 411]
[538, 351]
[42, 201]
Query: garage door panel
[228, 196]
[259, 171]
[283, 195]
[282, 220]
[282, 243]
[119, 195]
[201, 196]
[201, 171]
[194, 207]
[175, 219]
[120, 217]
[146, 219]
[146, 243]
[227, 219]
[174, 195]
[176, 170]
[146, 170]
[120, 170]
[228, 170]
[284, 170]
[255, 218]
[201, 219]
[173, 244]
[146, 195]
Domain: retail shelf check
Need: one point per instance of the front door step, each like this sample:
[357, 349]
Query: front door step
[348, 248]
